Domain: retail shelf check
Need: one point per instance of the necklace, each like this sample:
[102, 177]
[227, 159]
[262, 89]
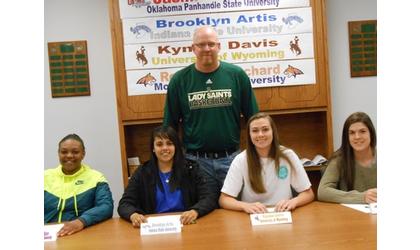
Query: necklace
[165, 176]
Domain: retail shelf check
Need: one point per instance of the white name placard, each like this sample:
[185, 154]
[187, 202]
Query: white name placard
[50, 231]
[271, 218]
[365, 208]
[373, 208]
[161, 225]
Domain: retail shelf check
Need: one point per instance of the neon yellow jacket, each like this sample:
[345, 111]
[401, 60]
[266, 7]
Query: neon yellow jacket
[84, 195]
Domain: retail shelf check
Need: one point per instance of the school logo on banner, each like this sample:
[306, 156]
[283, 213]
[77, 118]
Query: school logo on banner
[294, 46]
[292, 71]
[140, 56]
[140, 30]
[147, 80]
[292, 20]
[138, 3]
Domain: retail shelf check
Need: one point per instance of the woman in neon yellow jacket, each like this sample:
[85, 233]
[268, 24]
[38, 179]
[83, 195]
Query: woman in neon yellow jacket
[74, 193]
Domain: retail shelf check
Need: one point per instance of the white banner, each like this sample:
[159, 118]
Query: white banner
[149, 8]
[262, 74]
[233, 50]
[280, 73]
[235, 24]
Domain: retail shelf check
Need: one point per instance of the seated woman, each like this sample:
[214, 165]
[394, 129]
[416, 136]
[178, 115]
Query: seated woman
[166, 183]
[350, 176]
[263, 174]
[73, 192]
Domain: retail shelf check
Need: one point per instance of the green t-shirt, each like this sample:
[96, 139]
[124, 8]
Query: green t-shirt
[208, 105]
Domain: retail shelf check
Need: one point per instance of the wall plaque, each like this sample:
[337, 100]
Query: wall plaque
[69, 69]
[362, 41]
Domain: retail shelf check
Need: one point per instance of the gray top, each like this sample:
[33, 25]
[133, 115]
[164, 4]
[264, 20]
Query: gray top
[331, 186]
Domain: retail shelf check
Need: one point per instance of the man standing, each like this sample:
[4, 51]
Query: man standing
[207, 98]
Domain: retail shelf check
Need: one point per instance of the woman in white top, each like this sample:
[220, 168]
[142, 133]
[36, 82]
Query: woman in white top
[263, 174]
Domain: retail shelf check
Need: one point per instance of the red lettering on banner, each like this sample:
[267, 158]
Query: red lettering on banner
[130, 2]
[171, 1]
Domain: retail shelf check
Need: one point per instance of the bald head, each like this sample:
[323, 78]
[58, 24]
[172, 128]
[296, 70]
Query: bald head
[206, 47]
[204, 31]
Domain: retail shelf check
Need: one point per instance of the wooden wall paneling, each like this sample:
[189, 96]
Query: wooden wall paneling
[132, 107]
[138, 138]
[145, 107]
[118, 55]
[265, 98]
[119, 75]
[323, 65]
[305, 96]
[305, 133]
[302, 113]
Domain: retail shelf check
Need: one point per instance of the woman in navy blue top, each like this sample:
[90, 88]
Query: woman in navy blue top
[166, 183]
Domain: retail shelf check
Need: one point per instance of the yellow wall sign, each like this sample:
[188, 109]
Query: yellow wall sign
[69, 69]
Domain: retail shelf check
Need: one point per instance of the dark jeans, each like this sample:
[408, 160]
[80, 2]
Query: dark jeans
[214, 170]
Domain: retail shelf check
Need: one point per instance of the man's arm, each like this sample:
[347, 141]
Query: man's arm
[172, 112]
[249, 105]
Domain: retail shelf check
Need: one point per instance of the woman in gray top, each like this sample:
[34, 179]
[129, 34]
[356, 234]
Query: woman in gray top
[350, 176]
